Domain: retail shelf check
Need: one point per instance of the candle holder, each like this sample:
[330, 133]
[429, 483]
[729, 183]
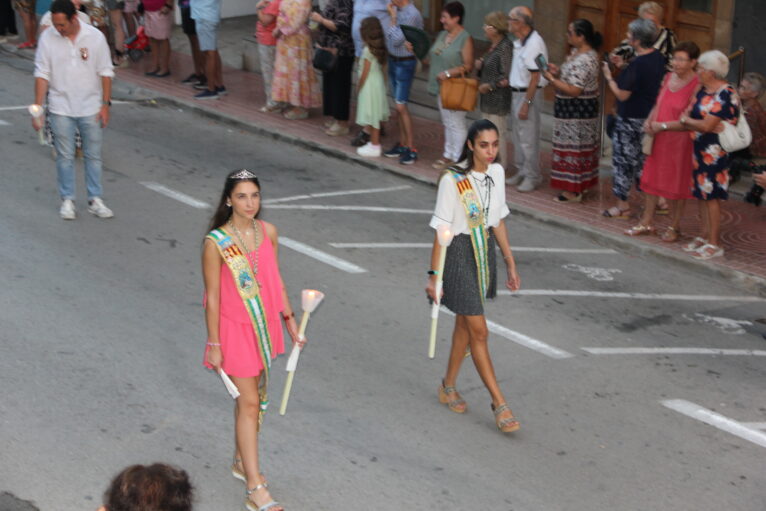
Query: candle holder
[444, 235]
[310, 300]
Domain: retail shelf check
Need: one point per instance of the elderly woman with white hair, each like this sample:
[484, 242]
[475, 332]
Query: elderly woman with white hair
[750, 91]
[717, 102]
[636, 91]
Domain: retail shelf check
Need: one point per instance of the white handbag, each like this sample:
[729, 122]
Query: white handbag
[735, 137]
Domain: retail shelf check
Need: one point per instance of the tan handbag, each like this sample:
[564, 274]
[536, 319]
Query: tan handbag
[459, 93]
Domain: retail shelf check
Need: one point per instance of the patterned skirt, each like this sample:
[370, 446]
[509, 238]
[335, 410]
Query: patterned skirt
[574, 167]
[461, 282]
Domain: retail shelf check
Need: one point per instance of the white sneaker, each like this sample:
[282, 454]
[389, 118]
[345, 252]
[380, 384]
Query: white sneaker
[527, 185]
[67, 211]
[369, 150]
[98, 208]
[514, 179]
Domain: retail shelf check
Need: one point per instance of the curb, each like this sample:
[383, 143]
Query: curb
[743, 280]
[746, 281]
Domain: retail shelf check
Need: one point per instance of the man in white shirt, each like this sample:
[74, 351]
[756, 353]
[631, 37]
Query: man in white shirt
[526, 83]
[74, 65]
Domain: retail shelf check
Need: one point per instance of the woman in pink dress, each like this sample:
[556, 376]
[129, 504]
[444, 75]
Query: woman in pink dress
[667, 171]
[294, 79]
[236, 345]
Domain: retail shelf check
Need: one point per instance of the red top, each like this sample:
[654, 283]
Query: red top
[668, 170]
[264, 33]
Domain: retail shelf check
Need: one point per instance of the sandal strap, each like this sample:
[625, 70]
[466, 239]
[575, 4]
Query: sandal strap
[253, 490]
[449, 390]
[500, 409]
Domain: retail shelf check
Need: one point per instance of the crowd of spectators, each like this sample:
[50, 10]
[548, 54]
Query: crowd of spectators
[657, 83]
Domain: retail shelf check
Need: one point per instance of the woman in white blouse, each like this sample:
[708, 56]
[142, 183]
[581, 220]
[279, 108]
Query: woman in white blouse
[471, 202]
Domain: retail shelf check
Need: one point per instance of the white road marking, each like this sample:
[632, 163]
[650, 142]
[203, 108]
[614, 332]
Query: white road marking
[636, 296]
[324, 257]
[674, 351]
[755, 425]
[350, 208]
[521, 339]
[26, 107]
[716, 420]
[180, 197]
[336, 194]
[725, 325]
[4, 123]
[600, 274]
[515, 249]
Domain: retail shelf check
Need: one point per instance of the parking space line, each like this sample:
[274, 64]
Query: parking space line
[635, 296]
[317, 254]
[521, 339]
[350, 208]
[180, 197]
[716, 420]
[515, 249]
[337, 194]
[675, 351]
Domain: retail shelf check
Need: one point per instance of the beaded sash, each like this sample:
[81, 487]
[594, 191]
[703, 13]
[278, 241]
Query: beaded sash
[479, 235]
[248, 290]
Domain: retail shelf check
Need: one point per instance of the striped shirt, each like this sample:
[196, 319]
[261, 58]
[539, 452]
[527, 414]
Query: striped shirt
[407, 15]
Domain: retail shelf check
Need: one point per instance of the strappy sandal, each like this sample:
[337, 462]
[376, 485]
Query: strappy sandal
[615, 212]
[251, 506]
[694, 244]
[456, 405]
[670, 235]
[507, 425]
[640, 230]
[240, 474]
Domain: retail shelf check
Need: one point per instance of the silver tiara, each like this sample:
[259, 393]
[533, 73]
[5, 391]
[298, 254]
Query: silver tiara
[243, 174]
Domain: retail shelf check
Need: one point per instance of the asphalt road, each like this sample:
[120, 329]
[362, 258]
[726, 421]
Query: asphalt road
[103, 334]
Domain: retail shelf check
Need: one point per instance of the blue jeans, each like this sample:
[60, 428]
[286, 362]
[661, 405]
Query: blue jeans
[401, 73]
[64, 129]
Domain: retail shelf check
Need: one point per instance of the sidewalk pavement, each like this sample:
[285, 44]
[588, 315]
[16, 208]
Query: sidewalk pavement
[743, 232]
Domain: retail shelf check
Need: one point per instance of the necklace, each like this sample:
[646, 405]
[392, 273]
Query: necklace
[253, 259]
[486, 184]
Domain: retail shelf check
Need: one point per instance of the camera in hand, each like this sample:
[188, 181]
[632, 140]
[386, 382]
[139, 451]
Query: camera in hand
[755, 193]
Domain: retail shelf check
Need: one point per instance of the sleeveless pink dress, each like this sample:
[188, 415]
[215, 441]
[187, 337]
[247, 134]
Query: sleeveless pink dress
[668, 170]
[239, 344]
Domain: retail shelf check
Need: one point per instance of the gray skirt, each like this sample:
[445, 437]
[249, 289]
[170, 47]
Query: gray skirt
[461, 282]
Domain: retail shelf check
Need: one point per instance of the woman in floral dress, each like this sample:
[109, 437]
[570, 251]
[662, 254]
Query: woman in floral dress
[294, 79]
[574, 168]
[717, 101]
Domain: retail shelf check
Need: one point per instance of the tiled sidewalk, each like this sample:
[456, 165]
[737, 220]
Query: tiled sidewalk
[744, 235]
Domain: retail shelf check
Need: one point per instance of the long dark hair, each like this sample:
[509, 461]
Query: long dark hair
[371, 32]
[467, 155]
[584, 28]
[223, 212]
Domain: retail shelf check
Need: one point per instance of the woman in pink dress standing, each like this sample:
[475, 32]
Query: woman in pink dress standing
[244, 299]
[667, 171]
[294, 79]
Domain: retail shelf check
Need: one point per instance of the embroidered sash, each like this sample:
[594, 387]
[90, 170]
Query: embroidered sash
[248, 290]
[479, 235]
